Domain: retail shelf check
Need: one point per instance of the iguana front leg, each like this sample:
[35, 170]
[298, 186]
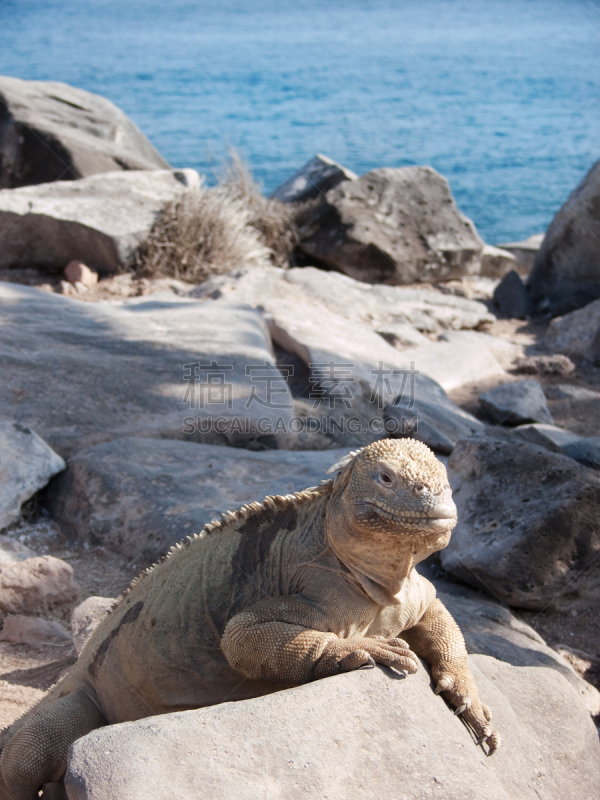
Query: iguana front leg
[289, 640]
[438, 639]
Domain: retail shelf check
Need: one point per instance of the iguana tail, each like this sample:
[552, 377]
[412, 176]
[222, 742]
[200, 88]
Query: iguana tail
[37, 753]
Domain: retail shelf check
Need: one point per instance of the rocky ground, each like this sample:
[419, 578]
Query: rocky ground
[27, 669]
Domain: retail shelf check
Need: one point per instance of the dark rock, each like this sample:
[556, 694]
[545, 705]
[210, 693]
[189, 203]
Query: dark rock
[527, 528]
[392, 226]
[100, 220]
[565, 274]
[52, 131]
[577, 334]
[585, 451]
[516, 403]
[315, 178]
[511, 297]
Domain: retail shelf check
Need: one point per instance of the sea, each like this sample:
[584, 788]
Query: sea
[500, 96]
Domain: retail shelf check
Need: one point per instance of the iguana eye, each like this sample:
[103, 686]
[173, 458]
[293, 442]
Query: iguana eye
[386, 479]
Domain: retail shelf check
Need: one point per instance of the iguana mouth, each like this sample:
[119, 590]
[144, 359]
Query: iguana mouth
[440, 514]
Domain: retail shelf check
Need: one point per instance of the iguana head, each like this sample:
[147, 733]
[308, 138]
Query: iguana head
[392, 507]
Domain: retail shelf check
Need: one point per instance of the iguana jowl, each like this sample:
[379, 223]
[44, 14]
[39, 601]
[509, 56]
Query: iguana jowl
[276, 594]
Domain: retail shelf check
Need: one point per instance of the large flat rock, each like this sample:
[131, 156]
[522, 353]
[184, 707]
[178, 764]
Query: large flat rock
[371, 734]
[100, 220]
[528, 528]
[82, 373]
[565, 275]
[392, 226]
[382, 388]
[140, 496]
[26, 466]
[51, 131]
[373, 305]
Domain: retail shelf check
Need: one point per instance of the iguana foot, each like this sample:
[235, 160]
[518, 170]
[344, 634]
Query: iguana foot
[357, 652]
[462, 694]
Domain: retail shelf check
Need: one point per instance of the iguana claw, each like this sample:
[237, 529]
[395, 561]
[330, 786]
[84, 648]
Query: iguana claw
[443, 685]
[462, 707]
[370, 663]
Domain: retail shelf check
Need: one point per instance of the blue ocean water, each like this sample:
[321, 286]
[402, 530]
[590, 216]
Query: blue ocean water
[501, 96]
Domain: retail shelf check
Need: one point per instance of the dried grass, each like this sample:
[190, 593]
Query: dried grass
[213, 231]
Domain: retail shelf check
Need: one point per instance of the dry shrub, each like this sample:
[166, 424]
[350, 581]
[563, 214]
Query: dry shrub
[213, 231]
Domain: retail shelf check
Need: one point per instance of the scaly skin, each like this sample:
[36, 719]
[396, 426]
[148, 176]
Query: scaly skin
[277, 594]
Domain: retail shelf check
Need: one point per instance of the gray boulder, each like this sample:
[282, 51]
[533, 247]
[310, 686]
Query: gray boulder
[316, 177]
[140, 496]
[577, 334]
[159, 366]
[565, 273]
[392, 226]
[527, 524]
[26, 466]
[369, 733]
[52, 131]
[516, 403]
[372, 305]
[100, 220]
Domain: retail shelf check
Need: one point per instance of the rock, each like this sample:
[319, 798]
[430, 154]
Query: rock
[100, 220]
[26, 463]
[544, 365]
[524, 252]
[549, 436]
[316, 177]
[52, 131]
[392, 226]
[12, 550]
[86, 617]
[527, 524]
[36, 585]
[140, 496]
[366, 733]
[495, 262]
[400, 401]
[565, 391]
[511, 297]
[515, 403]
[577, 334]
[19, 629]
[83, 373]
[585, 450]
[458, 358]
[77, 272]
[401, 335]
[565, 273]
[374, 306]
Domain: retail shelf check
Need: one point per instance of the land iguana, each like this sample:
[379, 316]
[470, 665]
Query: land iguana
[276, 594]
